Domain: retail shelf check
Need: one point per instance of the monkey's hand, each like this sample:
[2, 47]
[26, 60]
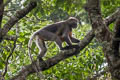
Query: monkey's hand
[74, 40]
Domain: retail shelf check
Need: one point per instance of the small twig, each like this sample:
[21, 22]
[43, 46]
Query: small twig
[6, 64]
[12, 38]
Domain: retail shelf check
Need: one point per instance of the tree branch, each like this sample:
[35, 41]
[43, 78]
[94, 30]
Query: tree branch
[14, 19]
[14, 46]
[6, 63]
[29, 69]
[12, 38]
[103, 35]
[101, 31]
[115, 42]
[110, 19]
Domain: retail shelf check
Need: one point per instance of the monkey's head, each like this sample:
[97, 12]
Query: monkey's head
[72, 22]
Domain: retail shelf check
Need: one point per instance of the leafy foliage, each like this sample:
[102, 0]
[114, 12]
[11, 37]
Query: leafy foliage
[89, 62]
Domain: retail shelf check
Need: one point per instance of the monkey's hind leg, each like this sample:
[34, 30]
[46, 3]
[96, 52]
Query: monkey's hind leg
[41, 46]
[51, 37]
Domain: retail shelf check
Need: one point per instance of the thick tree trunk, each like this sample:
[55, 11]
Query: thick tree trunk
[103, 35]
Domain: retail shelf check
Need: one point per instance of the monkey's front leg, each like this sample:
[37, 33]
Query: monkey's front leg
[59, 42]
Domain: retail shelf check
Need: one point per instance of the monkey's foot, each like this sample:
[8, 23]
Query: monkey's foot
[71, 47]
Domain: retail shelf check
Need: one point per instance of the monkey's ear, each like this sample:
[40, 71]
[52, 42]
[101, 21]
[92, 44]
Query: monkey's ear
[71, 47]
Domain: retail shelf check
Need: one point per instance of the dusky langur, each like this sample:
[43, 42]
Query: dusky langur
[57, 32]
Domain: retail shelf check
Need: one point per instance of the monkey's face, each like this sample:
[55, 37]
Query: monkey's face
[73, 25]
[72, 21]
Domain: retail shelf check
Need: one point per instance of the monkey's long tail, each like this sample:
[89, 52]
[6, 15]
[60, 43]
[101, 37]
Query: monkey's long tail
[29, 53]
[29, 46]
